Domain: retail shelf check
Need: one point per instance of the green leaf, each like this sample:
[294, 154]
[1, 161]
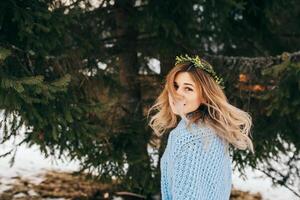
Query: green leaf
[276, 70]
[19, 87]
[68, 116]
[33, 80]
[62, 82]
[4, 53]
[54, 134]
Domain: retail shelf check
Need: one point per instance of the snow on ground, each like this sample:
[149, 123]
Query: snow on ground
[29, 163]
[258, 182]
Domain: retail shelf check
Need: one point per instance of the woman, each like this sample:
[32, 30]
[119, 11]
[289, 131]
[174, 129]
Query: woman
[196, 164]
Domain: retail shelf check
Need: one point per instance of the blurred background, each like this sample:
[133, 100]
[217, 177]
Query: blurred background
[77, 78]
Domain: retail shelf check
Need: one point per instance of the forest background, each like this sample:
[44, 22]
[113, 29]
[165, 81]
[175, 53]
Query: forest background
[81, 76]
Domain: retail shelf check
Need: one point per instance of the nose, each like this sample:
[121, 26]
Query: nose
[181, 93]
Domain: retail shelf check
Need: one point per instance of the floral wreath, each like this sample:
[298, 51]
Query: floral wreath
[202, 64]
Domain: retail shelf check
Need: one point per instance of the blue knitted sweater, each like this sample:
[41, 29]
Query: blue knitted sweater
[196, 164]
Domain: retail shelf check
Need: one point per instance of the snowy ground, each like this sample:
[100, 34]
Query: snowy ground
[29, 163]
[258, 182]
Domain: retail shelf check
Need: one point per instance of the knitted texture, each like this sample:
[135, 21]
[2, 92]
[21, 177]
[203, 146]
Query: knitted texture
[196, 165]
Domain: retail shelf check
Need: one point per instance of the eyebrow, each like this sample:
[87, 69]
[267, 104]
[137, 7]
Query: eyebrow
[185, 84]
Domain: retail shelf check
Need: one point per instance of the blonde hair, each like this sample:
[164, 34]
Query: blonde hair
[229, 122]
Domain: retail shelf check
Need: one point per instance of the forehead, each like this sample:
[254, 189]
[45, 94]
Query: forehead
[184, 77]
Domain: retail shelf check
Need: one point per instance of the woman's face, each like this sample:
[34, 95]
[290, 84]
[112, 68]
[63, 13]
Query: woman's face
[191, 98]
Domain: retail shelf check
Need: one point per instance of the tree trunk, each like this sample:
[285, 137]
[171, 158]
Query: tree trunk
[131, 115]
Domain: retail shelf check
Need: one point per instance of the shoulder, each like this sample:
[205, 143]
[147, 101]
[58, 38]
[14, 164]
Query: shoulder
[198, 136]
[183, 134]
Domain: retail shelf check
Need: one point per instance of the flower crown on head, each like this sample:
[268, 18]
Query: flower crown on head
[202, 64]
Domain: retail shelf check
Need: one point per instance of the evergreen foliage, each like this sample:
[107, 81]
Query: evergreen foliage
[71, 73]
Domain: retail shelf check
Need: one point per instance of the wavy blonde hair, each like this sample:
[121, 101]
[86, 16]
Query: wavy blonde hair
[229, 122]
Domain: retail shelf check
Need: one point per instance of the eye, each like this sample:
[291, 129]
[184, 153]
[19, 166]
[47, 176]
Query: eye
[188, 89]
[175, 86]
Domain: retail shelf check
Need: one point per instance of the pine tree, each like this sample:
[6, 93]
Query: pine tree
[77, 76]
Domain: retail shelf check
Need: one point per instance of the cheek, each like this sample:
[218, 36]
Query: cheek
[193, 102]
